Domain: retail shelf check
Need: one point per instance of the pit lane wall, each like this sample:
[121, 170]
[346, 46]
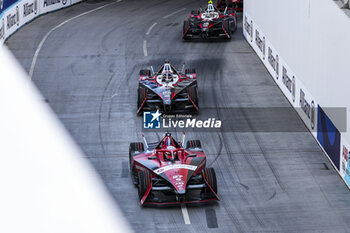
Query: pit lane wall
[15, 13]
[304, 46]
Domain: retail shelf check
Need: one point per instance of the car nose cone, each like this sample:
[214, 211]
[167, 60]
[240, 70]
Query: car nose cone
[181, 191]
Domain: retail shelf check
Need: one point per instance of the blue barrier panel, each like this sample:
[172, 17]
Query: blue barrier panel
[4, 4]
[329, 137]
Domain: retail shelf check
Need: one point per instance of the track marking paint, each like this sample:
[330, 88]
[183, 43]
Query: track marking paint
[37, 51]
[114, 95]
[150, 29]
[175, 12]
[145, 48]
[185, 214]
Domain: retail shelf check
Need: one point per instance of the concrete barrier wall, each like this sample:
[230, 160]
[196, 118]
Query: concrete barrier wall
[14, 14]
[303, 44]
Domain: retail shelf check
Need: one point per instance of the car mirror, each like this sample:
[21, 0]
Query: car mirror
[190, 156]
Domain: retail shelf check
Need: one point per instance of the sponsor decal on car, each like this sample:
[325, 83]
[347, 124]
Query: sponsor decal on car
[174, 166]
[178, 177]
[179, 182]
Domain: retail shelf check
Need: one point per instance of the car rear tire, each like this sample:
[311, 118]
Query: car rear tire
[145, 180]
[193, 94]
[209, 176]
[228, 29]
[195, 12]
[145, 72]
[141, 95]
[184, 29]
[190, 71]
[193, 144]
[234, 25]
[135, 148]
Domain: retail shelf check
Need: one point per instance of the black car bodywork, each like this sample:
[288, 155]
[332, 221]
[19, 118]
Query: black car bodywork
[168, 90]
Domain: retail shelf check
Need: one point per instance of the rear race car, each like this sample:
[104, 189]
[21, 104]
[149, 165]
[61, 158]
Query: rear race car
[168, 90]
[230, 4]
[210, 23]
[169, 172]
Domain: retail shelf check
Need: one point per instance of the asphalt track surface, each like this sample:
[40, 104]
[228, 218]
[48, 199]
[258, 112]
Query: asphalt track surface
[87, 71]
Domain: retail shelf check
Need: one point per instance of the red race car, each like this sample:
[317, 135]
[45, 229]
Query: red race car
[168, 173]
[168, 90]
[210, 23]
[230, 4]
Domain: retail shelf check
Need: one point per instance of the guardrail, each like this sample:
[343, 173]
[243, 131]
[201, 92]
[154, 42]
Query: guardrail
[14, 14]
[330, 137]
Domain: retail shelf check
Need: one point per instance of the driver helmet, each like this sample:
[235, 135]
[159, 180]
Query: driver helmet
[167, 77]
[167, 68]
[170, 156]
[210, 7]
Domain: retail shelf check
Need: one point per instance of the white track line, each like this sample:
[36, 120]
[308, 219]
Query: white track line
[175, 12]
[32, 66]
[185, 214]
[150, 29]
[145, 48]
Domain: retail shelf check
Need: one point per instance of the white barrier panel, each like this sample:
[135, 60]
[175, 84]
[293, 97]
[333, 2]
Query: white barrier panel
[30, 10]
[51, 5]
[283, 75]
[20, 13]
[2, 29]
[282, 68]
[74, 1]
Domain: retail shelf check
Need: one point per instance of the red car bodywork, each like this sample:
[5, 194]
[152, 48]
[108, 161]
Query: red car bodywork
[221, 26]
[174, 177]
[180, 96]
[230, 4]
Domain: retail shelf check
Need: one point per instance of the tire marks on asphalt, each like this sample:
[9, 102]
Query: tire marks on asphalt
[174, 13]
[212, 221]
[125, 170]
[37, 51]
